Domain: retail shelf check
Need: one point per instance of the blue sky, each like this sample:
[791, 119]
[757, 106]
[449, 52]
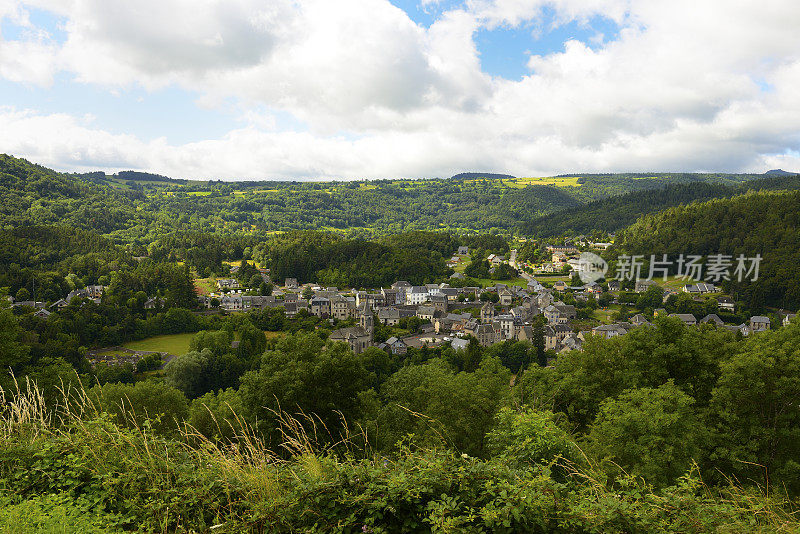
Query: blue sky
[302, 89]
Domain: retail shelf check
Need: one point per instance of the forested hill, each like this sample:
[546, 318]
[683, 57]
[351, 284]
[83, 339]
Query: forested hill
[34, 195]
[765, 223]
[139, 208]
[617, 212]
[476, 175]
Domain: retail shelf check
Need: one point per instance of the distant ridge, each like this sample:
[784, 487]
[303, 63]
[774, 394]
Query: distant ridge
[147, 177]
[474, 175]
[779, 172]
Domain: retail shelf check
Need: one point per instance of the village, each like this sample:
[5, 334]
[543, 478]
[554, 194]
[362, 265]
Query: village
[493, 314]
[442, 314]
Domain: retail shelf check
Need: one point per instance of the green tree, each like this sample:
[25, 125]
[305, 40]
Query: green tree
[217, 341]
[530, 437]
[299, 376]
[651, 298]
[653, 433]
[131, 404]
[755, 410]
[23, 295]
[14, 353]
[252, 342]
[218, 416]
[439, 406]
[186, 372]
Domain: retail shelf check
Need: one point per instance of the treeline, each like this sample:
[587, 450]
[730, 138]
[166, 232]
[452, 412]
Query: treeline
[598, 186]
[53, 260]
[617, 212]
[418, 257]
[767, 224]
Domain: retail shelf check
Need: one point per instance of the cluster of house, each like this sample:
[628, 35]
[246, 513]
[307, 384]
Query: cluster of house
[438, 304]
[512, 318]
[93, 293]
[757, 323]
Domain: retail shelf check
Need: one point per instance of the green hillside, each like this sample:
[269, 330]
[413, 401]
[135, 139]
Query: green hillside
[765, 223]
[613, 213]
[136, 207]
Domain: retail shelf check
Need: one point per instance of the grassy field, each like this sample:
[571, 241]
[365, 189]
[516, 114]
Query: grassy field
[205, 286]
[604, 315]
[550, 278]
[561, 181]
[462, 264]
[172, 344]
[673, 282]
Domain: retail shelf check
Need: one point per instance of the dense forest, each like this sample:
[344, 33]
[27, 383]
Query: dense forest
[418, 257]
[754, 223]
[617, 212]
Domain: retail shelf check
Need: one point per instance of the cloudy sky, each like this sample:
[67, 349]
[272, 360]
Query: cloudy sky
[308, 89]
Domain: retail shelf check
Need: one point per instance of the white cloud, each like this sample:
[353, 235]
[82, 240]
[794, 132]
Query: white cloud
[680, 88]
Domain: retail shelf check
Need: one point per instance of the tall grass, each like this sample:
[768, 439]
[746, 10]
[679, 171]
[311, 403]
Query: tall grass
[71, 460]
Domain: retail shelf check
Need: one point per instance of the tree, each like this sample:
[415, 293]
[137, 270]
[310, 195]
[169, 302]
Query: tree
[477, 268]
[218, 416]
[196, 373]
[529, 437]
[252, 342]
[14, 353]
[651, 298]
[217, 341]
[653, 433]
[185, 372]
[299, 376]
[380, 364]
[434, 403]
[149, 362]
[23, 295]
[504, 272]
[132, 404]
[754, 408]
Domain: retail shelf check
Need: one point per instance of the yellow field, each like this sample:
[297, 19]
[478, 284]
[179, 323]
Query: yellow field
[241, 193]
[561, 181]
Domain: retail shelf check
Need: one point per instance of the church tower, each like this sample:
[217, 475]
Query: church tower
[367, 321]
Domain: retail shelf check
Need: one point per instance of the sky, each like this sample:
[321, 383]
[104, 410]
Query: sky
[366, 89]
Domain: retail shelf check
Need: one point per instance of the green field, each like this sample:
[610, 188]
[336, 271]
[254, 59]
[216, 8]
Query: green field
[205, 285]
[172, 344]
[273, 335]
[488, 282]
[604, 315]
[561, 181]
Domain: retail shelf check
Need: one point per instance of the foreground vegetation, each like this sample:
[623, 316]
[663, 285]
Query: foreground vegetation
[74, 470]
[668, 428]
